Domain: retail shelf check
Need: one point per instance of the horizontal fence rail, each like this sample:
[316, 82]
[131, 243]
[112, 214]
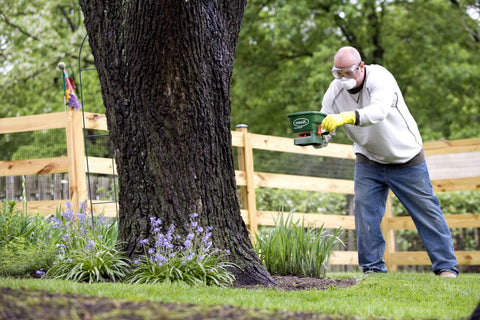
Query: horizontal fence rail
[462, 172]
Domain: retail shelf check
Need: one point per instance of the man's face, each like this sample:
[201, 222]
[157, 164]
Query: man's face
[345, 68]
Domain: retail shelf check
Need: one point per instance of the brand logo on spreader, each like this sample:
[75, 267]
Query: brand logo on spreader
[300, 123]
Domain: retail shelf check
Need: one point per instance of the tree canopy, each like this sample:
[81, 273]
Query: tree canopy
[286, 51]
[34, 37]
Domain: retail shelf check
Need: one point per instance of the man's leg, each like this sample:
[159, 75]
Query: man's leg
[370, 198]
[413, 188]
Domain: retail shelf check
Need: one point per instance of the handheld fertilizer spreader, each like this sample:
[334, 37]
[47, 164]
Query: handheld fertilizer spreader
[308, 125]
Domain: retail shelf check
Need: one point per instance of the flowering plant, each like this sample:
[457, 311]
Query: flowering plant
[86, 251]
[190, 259]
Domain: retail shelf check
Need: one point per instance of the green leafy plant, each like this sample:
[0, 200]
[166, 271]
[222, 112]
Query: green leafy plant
[173, 259]
[86, 252]
[13, 224]
[27, 243]
[291, 248]
[20, 258]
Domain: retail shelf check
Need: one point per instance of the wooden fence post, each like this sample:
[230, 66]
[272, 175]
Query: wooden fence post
[389, 235]
[76, 159]
[10, 188]
[247, 193]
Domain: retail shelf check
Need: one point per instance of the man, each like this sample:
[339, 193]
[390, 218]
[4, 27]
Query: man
[367, 102]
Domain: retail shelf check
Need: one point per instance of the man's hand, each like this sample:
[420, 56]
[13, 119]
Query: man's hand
[339, 119]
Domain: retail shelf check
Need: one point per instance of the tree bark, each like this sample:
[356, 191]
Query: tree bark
[165, 69]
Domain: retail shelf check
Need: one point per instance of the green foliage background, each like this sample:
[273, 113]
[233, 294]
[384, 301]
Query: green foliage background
[286, 50]
[282, 61]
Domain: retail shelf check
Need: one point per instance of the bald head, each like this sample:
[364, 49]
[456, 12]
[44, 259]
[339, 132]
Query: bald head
[348, 65]
[347, 57]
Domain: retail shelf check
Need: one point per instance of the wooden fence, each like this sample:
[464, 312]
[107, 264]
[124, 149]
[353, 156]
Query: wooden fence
[248, 179]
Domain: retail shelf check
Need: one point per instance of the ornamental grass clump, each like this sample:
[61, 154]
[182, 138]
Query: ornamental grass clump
[170, 257]
[291, 248]
[86, 251]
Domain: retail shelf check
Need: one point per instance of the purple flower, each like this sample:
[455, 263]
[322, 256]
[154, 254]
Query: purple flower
[143, 242]
[187, 243]
[199, 230]
[89, 246]
[159, 257]
[40, 273]
[56, 222]
[193, 216]
[81, 217]
[155, 222]
[190, 236]
[101, 220]
[206, 237]
[68, 214]
[83, 231]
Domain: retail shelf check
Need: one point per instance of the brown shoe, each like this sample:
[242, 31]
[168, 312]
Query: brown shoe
[448, 274]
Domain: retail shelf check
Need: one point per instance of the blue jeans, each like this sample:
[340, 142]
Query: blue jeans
[413, 188]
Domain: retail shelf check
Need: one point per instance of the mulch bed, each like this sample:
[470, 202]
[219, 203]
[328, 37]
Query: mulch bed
[36, 304]
[290, 283]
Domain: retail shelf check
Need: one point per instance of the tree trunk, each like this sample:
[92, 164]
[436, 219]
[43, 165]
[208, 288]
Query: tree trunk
[165, 68]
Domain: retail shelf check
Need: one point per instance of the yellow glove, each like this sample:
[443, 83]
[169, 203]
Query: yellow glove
[336, 120]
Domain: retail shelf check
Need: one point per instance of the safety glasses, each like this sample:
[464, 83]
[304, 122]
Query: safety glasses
[350, 72]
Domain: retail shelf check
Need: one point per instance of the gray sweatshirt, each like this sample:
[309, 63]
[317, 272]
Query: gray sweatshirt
[386, 132]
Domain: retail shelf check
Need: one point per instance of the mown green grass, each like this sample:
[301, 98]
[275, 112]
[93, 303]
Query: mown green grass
[393, 296]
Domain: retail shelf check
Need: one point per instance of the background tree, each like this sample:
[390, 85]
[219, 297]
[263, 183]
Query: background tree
[286, 51]
[282, 60]
[34, 37]
[165, 68]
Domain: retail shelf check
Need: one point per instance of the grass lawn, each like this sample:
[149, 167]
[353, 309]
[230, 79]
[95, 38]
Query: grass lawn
[393, 296]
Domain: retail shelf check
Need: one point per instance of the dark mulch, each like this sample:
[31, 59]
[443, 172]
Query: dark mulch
[290, 283]
[35, 304]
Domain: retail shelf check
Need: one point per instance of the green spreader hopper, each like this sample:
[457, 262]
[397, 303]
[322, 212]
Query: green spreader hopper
[308, 126]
